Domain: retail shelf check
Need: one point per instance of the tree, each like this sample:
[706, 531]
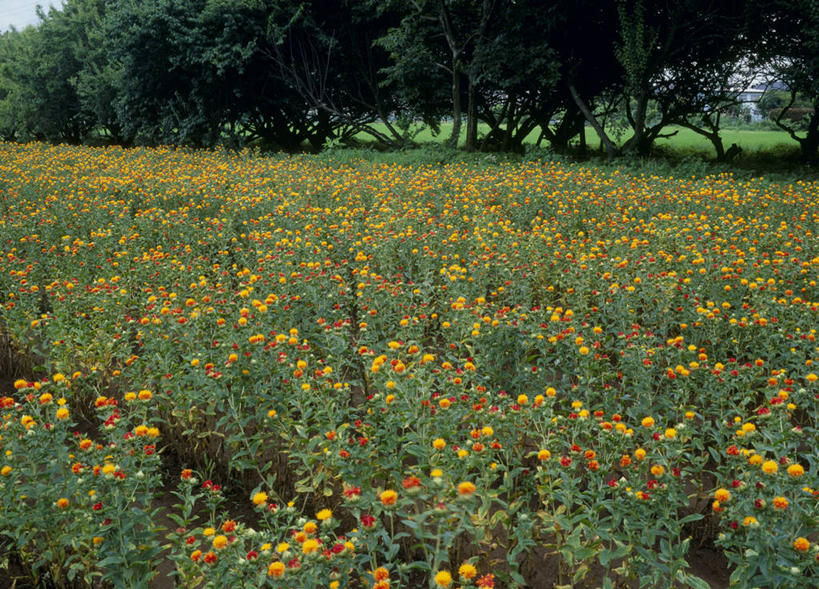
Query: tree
[788, 40]
[39, 66]
[680, 57]
[325, 52]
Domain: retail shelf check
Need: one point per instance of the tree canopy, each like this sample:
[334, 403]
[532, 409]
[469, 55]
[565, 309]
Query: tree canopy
[299, 74]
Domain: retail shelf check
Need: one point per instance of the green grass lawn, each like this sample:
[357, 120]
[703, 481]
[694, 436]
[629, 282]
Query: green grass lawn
[689, 141]
[685, 140]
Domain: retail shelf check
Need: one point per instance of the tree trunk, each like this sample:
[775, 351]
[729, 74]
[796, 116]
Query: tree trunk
[810, 143]
[510, 123]
[456, 108]
[605, 142]
[639, 142]
[471, 118]
[582, 134]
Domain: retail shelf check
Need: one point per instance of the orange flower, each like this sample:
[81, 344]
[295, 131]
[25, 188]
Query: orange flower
[381, 574]
[466, 489]
[801, 544]
[388, 497]
[722, 495]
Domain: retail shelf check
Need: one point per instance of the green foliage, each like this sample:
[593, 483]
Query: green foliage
[305, 75]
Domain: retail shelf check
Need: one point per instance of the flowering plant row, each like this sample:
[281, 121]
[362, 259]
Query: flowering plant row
[403, 376]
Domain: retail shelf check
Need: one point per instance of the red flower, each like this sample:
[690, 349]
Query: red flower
[351, 492]
[367, 521]
[411, 483]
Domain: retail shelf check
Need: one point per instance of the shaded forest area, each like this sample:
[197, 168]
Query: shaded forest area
[301, 75]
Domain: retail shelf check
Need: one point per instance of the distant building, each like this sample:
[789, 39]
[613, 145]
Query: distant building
[750, 98]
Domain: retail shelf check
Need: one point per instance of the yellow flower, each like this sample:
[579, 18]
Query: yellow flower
[544, 455]
[722, 495]
[260, 498]
[388, 497]
[324, 514]
[62, 413]
[467, 571]
[220, 541]
[310, 546]
[439, 444]
[443, 579]
[5, 471]
[208, 532]
[769, 467]
[796, 470]
[276, 569]
[62, 502]
[282, 547]
[647, 422]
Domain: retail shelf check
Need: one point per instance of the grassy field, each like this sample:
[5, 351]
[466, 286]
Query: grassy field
[684, 141]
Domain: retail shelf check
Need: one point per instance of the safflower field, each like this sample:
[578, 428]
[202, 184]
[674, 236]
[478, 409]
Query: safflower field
[287, 371]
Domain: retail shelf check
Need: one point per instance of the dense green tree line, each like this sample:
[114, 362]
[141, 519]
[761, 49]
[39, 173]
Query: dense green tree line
[295, 74]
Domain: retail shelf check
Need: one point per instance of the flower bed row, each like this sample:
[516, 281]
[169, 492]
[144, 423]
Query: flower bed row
[414, 375]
